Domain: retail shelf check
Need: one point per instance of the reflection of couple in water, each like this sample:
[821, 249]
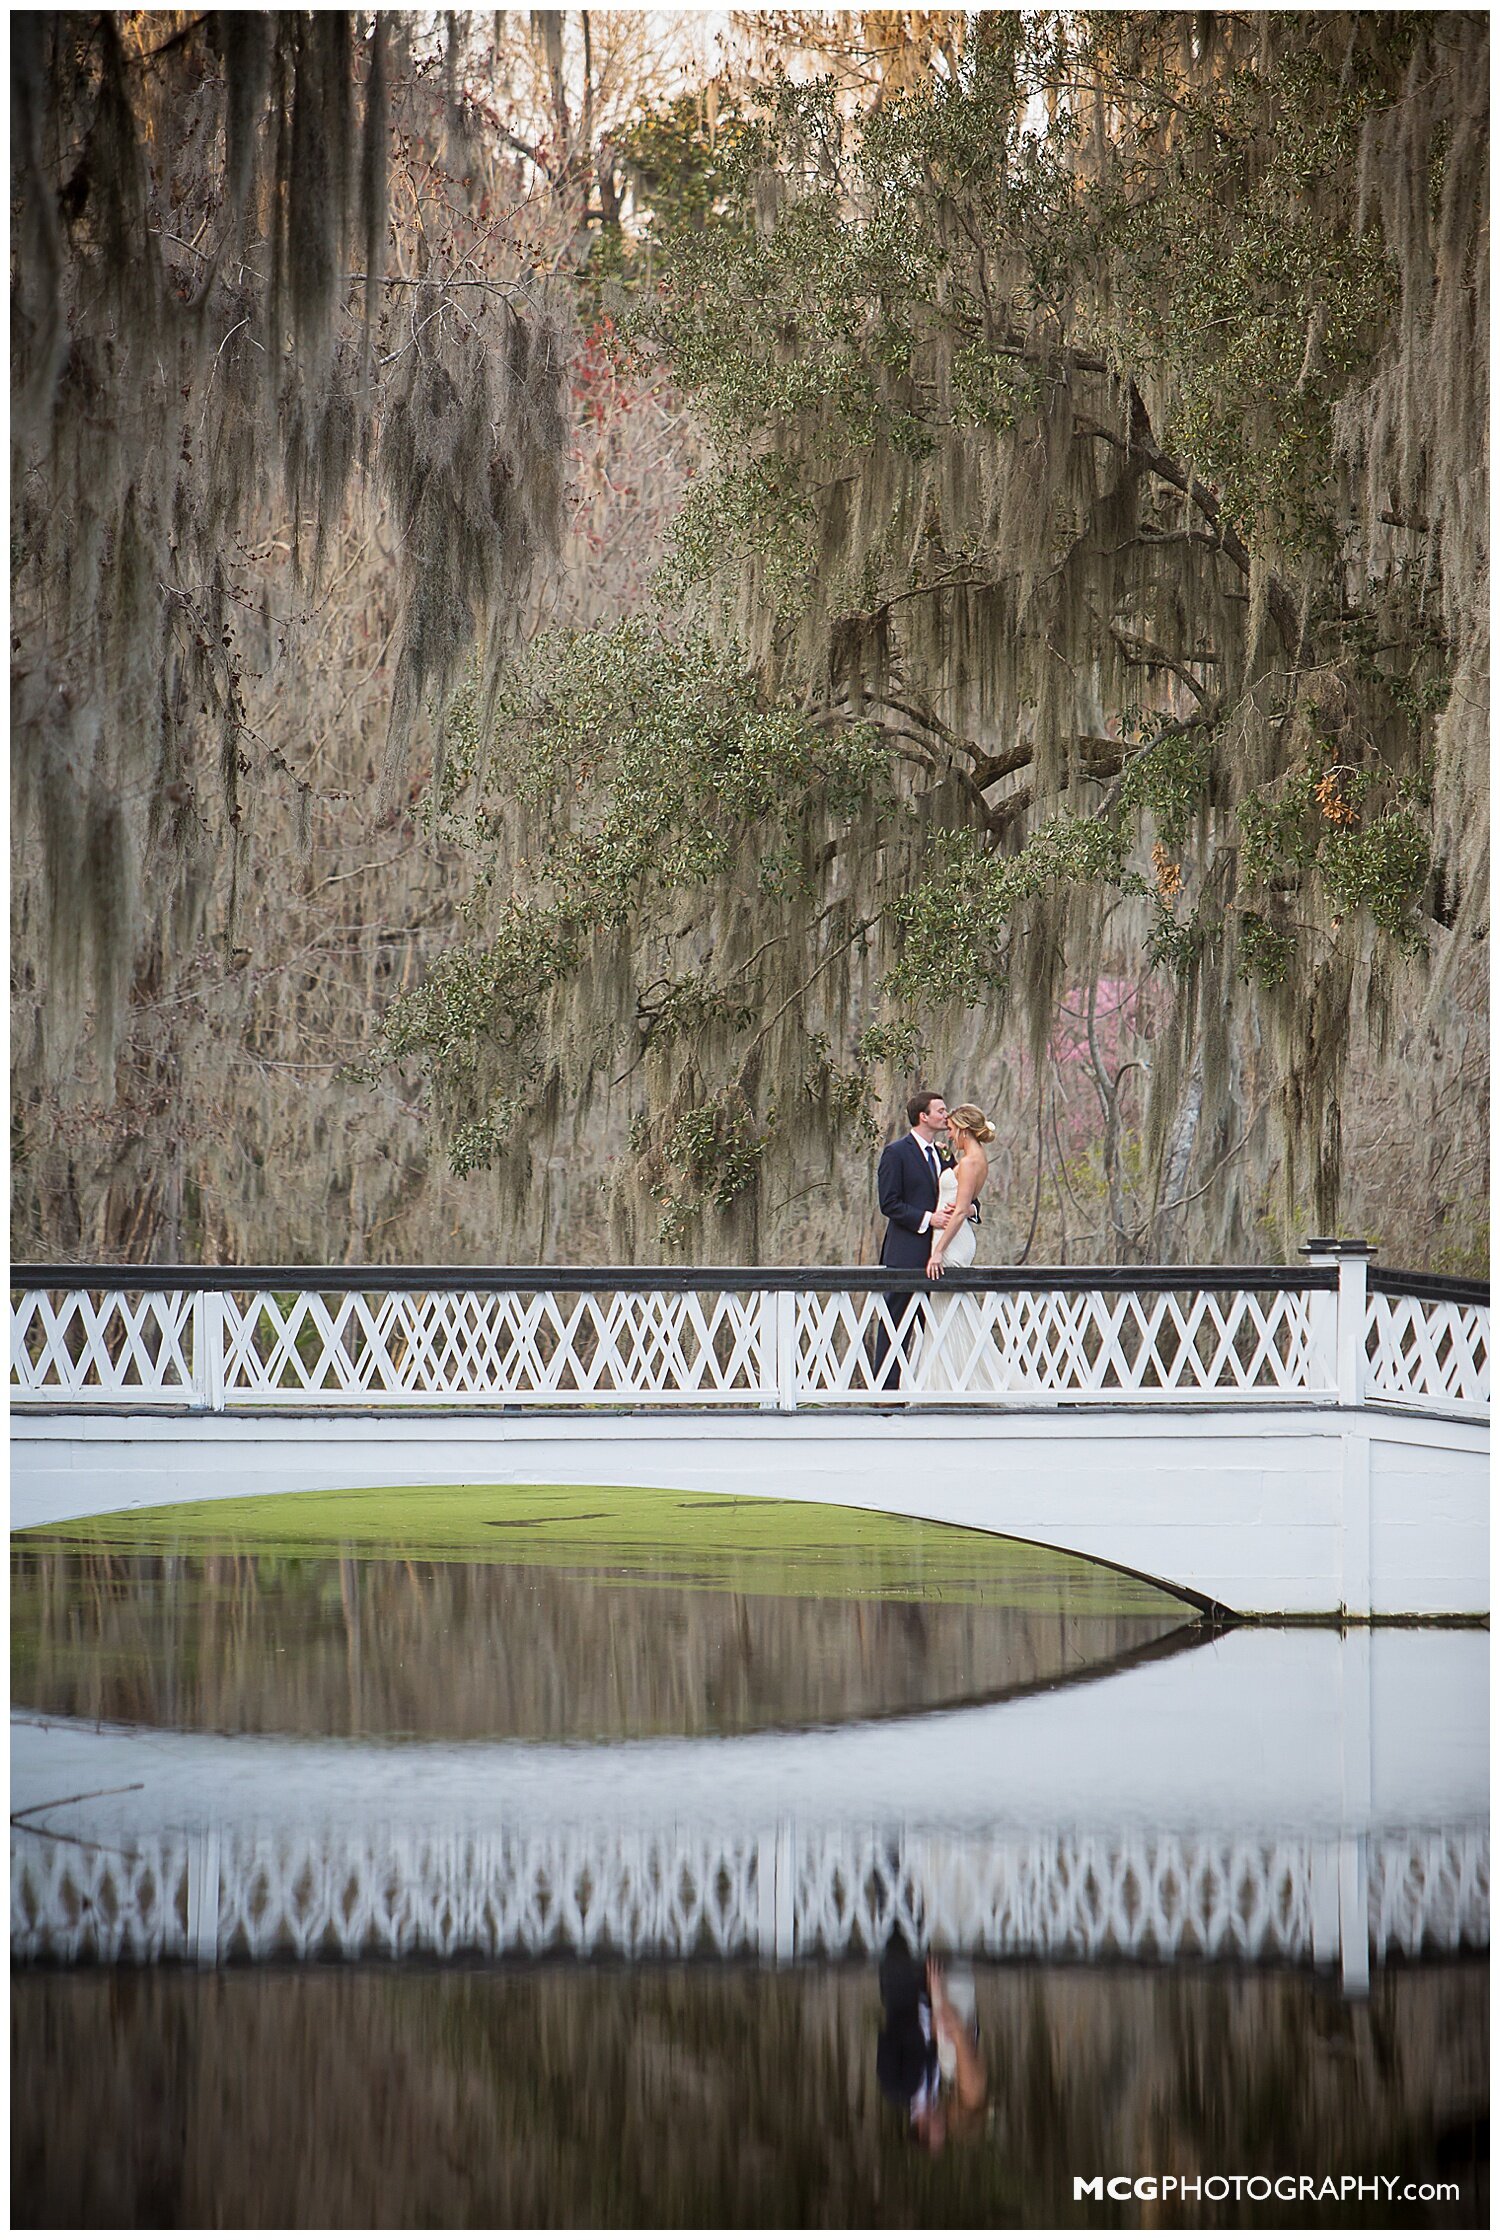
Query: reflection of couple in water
[928, 2059]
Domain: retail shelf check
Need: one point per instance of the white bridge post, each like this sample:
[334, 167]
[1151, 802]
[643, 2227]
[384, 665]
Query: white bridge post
[1353, 1256]
[1356, 1592]
[1338, 1322]
[203, 1898]
[786, 1895]
[786, 1350]
[778, 1350]
[1323, 1319]
[776, 1895]
[1324, 1896]
[208, 1350]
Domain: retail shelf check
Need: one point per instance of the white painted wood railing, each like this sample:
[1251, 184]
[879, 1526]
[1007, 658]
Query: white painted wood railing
[1428, 1352]
[224, 1338]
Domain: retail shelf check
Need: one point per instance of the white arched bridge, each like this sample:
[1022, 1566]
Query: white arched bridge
[1307, 1440]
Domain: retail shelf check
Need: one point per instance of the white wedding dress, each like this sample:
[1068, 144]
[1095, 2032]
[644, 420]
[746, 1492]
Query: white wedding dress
[957, 1351]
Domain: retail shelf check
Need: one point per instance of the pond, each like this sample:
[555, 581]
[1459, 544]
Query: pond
[526, 1857]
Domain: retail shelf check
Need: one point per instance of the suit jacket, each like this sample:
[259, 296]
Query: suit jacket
[907, 1191]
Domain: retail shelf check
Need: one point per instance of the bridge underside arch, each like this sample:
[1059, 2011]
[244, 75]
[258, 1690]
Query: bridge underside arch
[1295, 1511]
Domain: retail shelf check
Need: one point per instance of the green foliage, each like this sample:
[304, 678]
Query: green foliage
[1279, 832]
[1217, 250]
[894, 1043]
[1239, 279]
[1382, 869]
[756, 509]
[1265, 956]
[1378, 865]
[716, 1147]
[844, 1092]
[956, 923]
[1167, 780]
[492, 990]
[479, 1143]
[993, 389]
[651, 773]
[649, 754]
[681, 163]
[1174, 945]
[1035, 391]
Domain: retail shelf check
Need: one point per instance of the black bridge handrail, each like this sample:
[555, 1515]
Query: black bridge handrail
[157, 1277]
[1457, 1291]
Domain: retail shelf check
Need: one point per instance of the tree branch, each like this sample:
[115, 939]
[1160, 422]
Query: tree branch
[993, 768]
[1143, 446]
[1142, 654]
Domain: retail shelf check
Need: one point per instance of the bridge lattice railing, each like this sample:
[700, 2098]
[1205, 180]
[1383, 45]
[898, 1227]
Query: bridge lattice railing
[790, 1894]
[1427, 1351]
[228, 1338]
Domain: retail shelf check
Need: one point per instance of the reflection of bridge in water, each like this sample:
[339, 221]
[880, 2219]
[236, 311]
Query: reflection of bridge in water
[788, 1894]
[1285, 1441]
[1265, 1797]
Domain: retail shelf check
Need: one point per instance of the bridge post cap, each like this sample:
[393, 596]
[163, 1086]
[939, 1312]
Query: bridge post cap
[1337, 1248]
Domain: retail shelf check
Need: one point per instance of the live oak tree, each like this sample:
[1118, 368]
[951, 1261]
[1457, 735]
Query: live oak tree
[217, 877]
[1093, 575]
[179, 1094]
[247, 280]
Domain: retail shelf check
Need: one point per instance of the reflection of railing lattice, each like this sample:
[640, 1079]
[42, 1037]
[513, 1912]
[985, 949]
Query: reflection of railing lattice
[1430, 1893]
[752, 1338]
[788, 1894]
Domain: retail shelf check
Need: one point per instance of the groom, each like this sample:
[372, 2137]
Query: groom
[907, 1185]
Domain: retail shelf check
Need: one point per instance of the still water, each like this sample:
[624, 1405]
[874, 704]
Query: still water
[432, 1890]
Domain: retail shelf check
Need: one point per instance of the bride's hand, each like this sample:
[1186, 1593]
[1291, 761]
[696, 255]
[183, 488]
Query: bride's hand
[935, 1265]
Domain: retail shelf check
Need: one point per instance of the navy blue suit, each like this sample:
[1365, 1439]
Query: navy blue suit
[907, 1190]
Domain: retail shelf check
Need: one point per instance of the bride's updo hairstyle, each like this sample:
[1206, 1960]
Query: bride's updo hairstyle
[972, 1121]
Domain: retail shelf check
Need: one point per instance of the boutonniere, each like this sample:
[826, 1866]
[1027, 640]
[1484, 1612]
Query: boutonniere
[945, 1155]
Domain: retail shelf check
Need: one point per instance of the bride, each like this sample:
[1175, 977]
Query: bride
[957, 1352]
